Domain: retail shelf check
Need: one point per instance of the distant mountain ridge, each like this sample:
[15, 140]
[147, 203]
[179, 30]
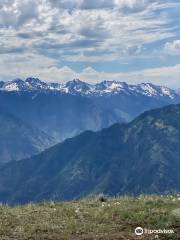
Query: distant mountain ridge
[141, 157]
[76, 86]
[65, 110]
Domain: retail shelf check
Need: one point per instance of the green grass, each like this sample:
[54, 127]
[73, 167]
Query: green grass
[91, 219]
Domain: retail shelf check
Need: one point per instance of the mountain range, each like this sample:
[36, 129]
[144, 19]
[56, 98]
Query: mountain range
[78, 87]
[134, 158]
[63, 110]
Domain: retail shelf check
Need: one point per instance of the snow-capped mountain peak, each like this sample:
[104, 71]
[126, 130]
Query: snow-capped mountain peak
[151, 90]
[14, 85]
[78, 86]
[36, 84]
[113, 87]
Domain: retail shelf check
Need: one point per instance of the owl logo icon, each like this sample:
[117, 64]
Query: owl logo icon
[139, 231]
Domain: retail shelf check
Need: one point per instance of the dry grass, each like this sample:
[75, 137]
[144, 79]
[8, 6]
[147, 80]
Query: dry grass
[113, 219]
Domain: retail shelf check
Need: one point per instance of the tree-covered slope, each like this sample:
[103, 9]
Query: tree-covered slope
[140, 157]
[19, 140]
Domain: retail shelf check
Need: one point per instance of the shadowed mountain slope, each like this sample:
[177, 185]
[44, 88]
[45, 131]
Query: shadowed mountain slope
[20, 140]
[140, 157]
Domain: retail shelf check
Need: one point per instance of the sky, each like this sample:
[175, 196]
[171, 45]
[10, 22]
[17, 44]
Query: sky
[93, 40]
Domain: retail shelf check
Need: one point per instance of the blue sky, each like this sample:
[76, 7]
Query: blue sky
[58, 40]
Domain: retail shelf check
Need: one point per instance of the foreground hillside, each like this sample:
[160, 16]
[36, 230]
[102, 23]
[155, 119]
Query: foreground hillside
[88, 219]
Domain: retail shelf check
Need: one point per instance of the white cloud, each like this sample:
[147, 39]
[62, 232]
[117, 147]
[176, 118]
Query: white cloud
[167, 76]
[15, 13]
[84, 34]
[28, 64]
[37, 36]
[172, 47]
[47, 69]
[133, 5]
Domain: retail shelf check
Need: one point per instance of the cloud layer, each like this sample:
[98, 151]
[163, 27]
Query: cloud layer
[44, 36]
